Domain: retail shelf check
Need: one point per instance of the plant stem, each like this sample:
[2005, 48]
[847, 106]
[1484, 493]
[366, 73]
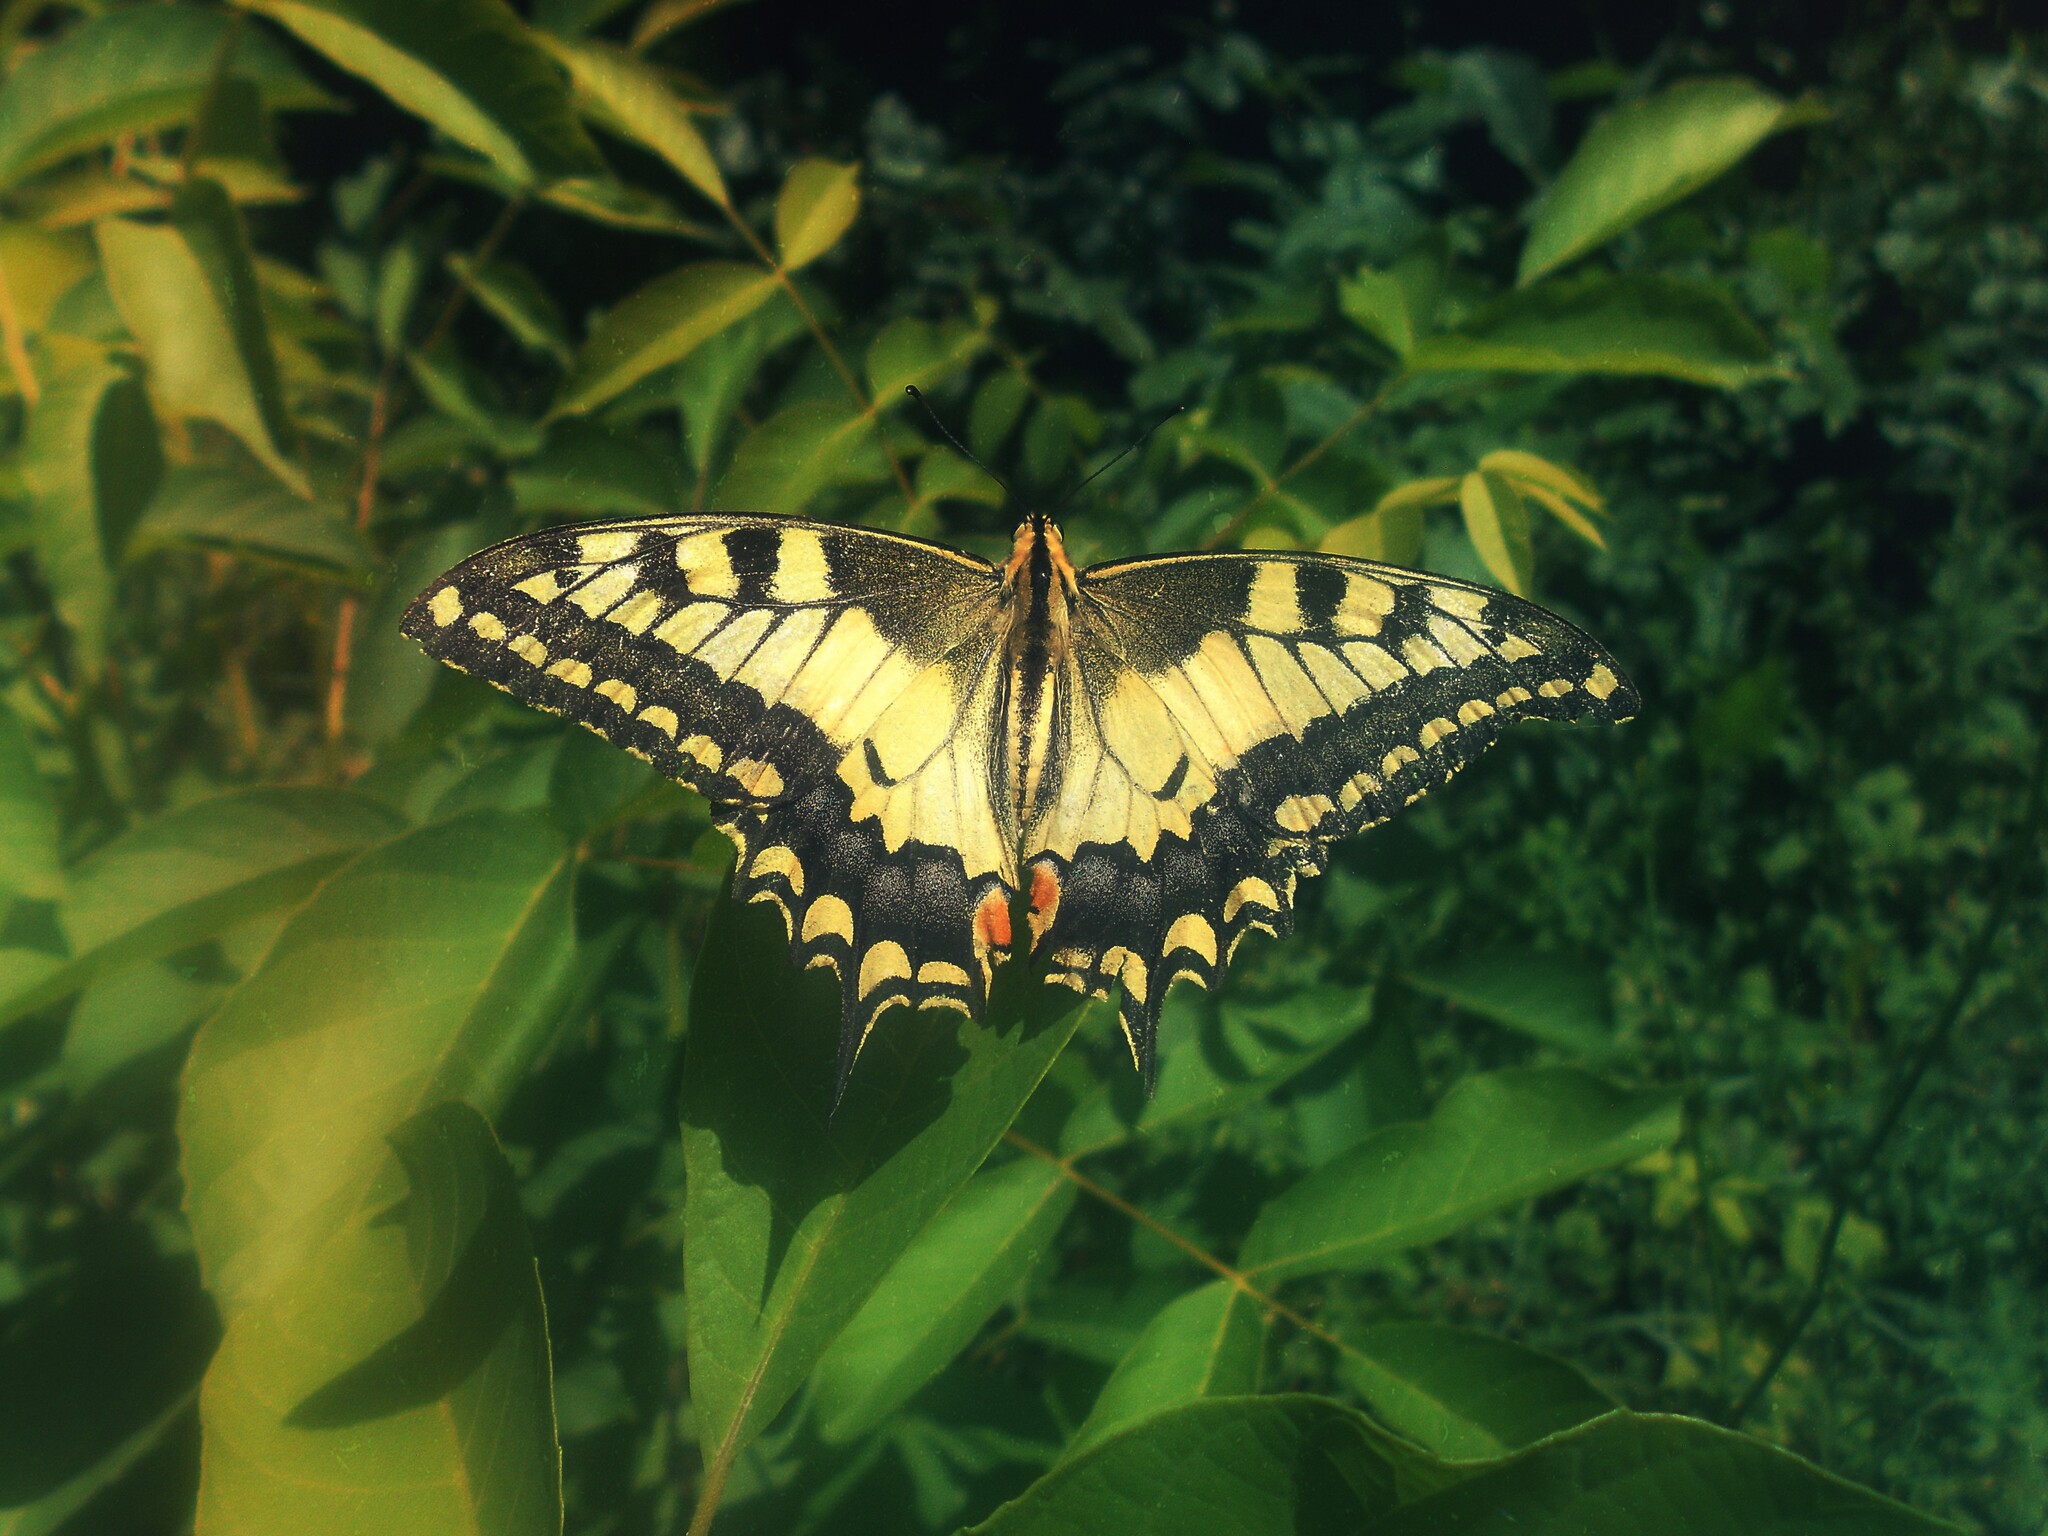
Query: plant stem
[1904, 1082]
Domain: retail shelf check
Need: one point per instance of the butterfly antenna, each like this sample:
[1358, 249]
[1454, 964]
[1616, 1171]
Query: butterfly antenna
[1143, 438]
[947, 432]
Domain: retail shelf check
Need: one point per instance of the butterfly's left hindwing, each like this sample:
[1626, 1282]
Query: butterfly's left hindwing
[769, 662]
[1235, 714]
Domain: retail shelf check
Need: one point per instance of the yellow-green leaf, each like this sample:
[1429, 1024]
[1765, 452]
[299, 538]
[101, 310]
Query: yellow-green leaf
[1378, 303]
[623, 94]
[818, 202]
[1498, 525]
[661, 324]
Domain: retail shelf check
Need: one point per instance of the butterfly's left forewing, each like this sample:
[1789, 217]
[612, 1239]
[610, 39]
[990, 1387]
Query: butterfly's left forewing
[1236, 713]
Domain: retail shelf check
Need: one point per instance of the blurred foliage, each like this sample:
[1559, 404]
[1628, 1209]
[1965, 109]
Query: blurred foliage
[1649, 1105]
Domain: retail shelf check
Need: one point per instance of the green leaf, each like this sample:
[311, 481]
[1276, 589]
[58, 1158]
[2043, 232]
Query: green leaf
[938, 1293]
[1646, 155]
[241, 513]
[920, 352]
[1496, 1139]
[1559, 999]
[798, 452]
[89, 459]
[390, 677]
[1378, 303]
[589, 470]
[469, 67]
[624, 94]
[1209, 1343]
[999, 401]
[794, 1211]
[1626, 1473]
[29, 864]
[457, 1393]
[198, 871]
[1675, 327]
[662, 323]
[1238, 1464]
[457, 389]
[514, 297]
[1217, 1056]
[187, 290]
[1498, 525]
[817, 204]
[943, 474]
[1463, 1395]
[711, 381]
[431, 969]
[131, 70]
[128, 1012]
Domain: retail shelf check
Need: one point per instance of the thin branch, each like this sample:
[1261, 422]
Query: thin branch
[1906, 1080]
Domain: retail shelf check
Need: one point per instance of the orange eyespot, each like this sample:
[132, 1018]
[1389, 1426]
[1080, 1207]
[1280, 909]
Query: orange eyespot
[992, 921]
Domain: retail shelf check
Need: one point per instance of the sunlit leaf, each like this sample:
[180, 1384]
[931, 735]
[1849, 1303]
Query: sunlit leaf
[1496, 1139]
[661, 324]
[469, 67]
[1567, 495]
[128, 1012]
[943, 474]
[939, 1292]
[38, 267]
[817, 205]
[1498, 525]
[29, 863]
[242, 513]
[797, 453]
[1646, 155]
[187, 290]
[1464, 1395]
[621, 92]
[1209, 1343]
[1378, 304]
[131, 69]
[795, 1210]
[1644, 323]
[920, 352]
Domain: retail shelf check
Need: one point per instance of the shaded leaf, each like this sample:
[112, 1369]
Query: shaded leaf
[621, 92]
[1377, 303]
[1464, 1395]
[127, 1012]
[237, 512]
[938, 1293]
[187, 290]
[134, 69]
[1559, 999]
[29, 864]
[1498, 525]
[390, 677]
[469, 67]
[1208, 1343]
[798, 452]
[1496, 1139]
[920, 352]
[587, 469]
[1638, 324]
[1646, 155]
[514, 297]
[794, 1211]
[661, 324]
[710, 382]
[817, 205]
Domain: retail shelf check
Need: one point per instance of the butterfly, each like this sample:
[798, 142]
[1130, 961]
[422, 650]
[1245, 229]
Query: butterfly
[931, 763]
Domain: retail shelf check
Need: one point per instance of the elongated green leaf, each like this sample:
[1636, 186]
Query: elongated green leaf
[1625, 1474]
[89, 462]
[187, 290]
[1498, 525]
[661, 324]
[1638, 324]
[1250, 1464]
[469, 67]
[710, 382]
[920, 352]
[798, 452]
[39, 267]
[29, 864]
[1209, 1343]
[795, 1211]
[430, 969]
[938, 1293]
[623, 93]
[1494, 1140]
[199, 871]
[1558, 999]
[1463, 1395]
[133, 69]
[459, 1384]
[1378, 303]
[514, 297]
[1646, 155]
[589, 470]
[241, 513]
[817, 205]
[1216, 1056]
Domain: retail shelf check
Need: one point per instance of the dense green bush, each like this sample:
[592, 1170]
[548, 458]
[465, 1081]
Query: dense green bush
[1645, 1108]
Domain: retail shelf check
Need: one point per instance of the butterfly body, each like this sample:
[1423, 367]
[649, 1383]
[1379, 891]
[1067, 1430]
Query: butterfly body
[914, 749]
